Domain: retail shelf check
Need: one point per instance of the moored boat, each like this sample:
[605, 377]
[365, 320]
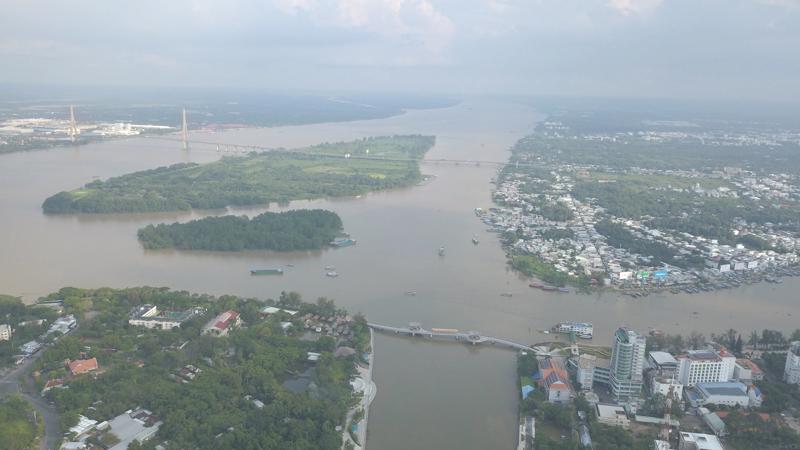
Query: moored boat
[343, 242]
[267, 271]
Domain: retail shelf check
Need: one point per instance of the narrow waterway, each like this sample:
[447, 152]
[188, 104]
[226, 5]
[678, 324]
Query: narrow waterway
[430, 395]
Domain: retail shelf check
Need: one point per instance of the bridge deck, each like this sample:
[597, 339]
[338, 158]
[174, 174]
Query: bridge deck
[471, 337]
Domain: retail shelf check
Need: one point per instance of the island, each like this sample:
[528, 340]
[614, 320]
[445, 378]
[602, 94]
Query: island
[146, 367]
[258, 178]
[301, 229]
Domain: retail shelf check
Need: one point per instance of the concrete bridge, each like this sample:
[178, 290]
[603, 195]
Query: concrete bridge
[472, 337]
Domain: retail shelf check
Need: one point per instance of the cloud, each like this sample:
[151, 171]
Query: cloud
[400, 23]
[635, 7]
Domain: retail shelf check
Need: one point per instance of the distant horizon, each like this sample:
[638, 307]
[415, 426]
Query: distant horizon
[680, 49]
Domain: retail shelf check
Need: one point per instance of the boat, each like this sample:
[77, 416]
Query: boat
[536, 285]
[267, 271]
[332, 274]
[583, 330]
[330, 268]
[411, 293]
[441, 251]
[563, 289]
[475, 239]
[343, 242]
[506, 294]
[547, 287]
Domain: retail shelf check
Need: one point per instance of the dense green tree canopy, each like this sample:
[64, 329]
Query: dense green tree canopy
[292, 230]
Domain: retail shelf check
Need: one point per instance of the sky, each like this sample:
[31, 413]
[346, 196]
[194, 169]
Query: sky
[729, 49]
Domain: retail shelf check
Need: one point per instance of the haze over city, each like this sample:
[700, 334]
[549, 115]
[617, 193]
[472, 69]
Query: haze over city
[730, 49]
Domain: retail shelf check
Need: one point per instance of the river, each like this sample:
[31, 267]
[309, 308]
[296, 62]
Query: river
[430, 395]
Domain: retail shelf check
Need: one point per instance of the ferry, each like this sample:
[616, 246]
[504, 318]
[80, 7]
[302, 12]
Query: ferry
[583, 330]
[343, 242]
[268, 271]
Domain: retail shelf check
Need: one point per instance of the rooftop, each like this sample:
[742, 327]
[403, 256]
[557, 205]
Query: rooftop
[663, 359]
[731, 388]
[702, 355]
[702, 441]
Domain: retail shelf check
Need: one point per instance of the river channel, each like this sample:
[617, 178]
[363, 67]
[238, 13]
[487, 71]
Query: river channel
[430, 395]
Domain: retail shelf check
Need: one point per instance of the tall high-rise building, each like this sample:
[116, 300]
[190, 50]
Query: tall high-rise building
[627, 363]
[791, 373]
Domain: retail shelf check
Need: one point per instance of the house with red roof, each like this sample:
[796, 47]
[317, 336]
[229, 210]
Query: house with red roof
[81, 366]
[222, 324]
[554, 379]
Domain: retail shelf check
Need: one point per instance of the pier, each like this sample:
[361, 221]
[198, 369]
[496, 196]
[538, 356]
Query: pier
[415, 329]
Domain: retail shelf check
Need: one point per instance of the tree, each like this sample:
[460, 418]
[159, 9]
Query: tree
[696, 340]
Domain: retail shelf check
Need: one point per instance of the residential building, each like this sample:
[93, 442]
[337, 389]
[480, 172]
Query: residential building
[585, 374]
[791, 372]
[270, 310]
[602, 371]
[5, 332]
[30, 348]
[747, 371]
[139, 425]
[627, 364]
[63, 324]
[713, 421]
[665, 386]
[705, 366]
[612, 415]
[698, 441]
[149, 316]
[732, 393]
[554, 379]
[662, 364]
[82, 366]
[222, 324]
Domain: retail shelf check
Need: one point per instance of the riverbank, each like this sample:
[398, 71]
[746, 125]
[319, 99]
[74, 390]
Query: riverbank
[364, 385]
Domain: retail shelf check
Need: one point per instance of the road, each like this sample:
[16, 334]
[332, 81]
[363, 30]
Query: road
[11, 384]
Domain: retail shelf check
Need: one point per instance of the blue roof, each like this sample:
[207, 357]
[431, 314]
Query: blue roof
[526, 390]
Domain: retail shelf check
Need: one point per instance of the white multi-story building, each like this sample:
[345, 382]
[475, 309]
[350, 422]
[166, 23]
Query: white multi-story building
[5, 332]
[705, 366]
[585, 375]
[627, 364]
[791, 372]
[149, 316]
[698, 441]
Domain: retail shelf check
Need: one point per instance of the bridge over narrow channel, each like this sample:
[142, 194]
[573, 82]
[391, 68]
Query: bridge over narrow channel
[415, 329]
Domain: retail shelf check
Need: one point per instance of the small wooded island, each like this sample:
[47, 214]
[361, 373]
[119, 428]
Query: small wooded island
[325, 170]
[304, 229]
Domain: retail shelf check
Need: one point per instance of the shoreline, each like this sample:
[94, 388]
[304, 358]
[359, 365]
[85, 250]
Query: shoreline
[370, 389]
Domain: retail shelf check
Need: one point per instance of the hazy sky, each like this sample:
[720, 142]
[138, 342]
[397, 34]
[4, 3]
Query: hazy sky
[664, 48]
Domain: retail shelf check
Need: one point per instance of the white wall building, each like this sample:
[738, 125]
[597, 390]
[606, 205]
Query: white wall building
[791, 372]
[627, 364]
[664, 386]
[586, 364]
[699, 441]
[5, 332]
[705, 366]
